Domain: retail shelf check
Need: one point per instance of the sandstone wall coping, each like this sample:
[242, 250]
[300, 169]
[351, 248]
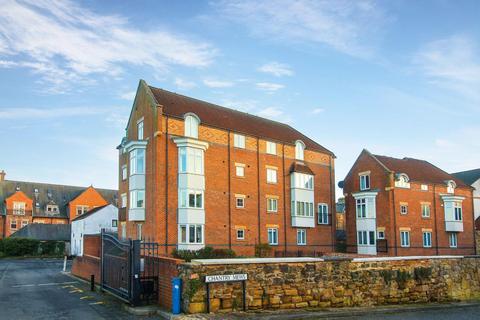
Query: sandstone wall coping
[406, 258]
[254, 261]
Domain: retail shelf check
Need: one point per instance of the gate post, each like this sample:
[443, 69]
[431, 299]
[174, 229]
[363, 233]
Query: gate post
[135, 271]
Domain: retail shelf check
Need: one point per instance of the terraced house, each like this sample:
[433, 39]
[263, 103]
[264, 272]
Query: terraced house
[22, 203]
[406, 206]
[194, 174]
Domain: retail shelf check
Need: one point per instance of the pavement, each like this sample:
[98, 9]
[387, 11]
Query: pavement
[37, 289]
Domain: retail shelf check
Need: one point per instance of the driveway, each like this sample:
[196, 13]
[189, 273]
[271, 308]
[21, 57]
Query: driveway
[37, 289]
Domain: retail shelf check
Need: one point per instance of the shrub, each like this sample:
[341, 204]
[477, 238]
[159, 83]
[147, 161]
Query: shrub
[262, 250]
[20, 246]
[204, 253]
[402, 278]
[422, 274]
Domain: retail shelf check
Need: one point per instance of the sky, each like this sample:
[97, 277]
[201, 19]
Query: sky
[399, 78]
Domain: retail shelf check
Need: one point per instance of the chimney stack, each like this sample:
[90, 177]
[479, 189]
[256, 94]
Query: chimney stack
[2, 175]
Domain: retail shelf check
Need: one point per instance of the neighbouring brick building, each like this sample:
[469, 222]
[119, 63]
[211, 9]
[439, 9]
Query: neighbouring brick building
[22, 203]
[406, 207]
[472, 178]
[194, 174]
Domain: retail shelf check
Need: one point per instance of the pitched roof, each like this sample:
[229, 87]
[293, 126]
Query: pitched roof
[176, 105]
[45, 193]
[469, 177]
[44, 232]
[418, 170]
[89, 213]
[301, 168]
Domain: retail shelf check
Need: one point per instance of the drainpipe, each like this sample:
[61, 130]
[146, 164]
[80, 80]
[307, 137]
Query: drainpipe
[435, 220]
[229, 197]
[332, 201]
[258, 185]
[284, 199]
[394, 222]
[473, 226]
[166, 187]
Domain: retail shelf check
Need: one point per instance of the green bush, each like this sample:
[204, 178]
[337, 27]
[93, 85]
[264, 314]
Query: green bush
[204, 253]
[262, 250]
[422, 274]
[17, 247]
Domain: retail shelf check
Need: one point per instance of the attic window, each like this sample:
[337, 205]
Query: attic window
[299, 150]
[451, 185]
[191, 125]
[402, 181]
[52, 208]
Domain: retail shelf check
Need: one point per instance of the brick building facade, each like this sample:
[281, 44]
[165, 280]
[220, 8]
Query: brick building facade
[406, 207]
[195, 174]
[23, 203]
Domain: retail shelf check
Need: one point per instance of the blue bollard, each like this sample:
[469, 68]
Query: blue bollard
[176, 295]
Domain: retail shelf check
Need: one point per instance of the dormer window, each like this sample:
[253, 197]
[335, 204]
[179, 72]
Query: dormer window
[52, 208]
[191, 125]
[299, 150]
[402, 181]
[451, 185]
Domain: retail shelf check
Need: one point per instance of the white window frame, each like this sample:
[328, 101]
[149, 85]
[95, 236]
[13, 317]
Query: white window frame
[272, 236]
[425, 210]
[362, 237]
[365, 181]
[188, 234]
[135, 195]
[272, 205]
[114, 223]
[19, 208]
[192, 123]
[240, 171]
[457, 211]
[184, 196]
[124, 172]
[12, 222]
[381, 234]
[453, 239]
[299, 150]
[361, 203]
[304, 209]
[424, 187]
[271, 175]
[301, 237]
[427, 239]
[303, 181]
[271, 147]
[404, 238]
[242, 236]
[137, 161]
[190, 160]
[140, 129]
[123, 197]
[81, 209]
[239, 141]
[322, 213]
[404, 206]
[242, 206]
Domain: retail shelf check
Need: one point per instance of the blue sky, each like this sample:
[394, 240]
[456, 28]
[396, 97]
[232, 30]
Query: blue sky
[400, 78]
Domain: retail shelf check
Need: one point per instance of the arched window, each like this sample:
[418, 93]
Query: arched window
[191, 125]
[299, 148]
[402, 181]
[451, 185]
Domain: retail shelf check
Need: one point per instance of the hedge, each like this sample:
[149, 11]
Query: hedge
[204, 253]
[15, 247]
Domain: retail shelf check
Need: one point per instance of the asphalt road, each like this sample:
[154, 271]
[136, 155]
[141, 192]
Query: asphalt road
[37, 289]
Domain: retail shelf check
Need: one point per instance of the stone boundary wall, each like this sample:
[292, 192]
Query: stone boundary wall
[281, 284]
[477, 241]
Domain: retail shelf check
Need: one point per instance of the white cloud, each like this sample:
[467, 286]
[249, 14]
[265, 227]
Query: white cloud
[47, 113]
[130, 95]
[217, 83]
[443, 143]
[277, 69]
[184, 84]
[269, 87]
[270, 112]
[317, 110]
[452, 63]
[65, 42]
[348, 26]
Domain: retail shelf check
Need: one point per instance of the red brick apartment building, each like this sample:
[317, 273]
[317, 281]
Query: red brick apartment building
[401, 207]
[22, 203]
[194, 174]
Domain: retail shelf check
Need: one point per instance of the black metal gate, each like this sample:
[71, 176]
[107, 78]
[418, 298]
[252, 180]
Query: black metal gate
[120, 267]
[130, 269]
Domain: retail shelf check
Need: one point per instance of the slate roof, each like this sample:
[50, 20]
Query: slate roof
[89, 213]
[469, 177]
[48, 193]
[418, 170]
[301, 168]
[44, 232]
[176, 105]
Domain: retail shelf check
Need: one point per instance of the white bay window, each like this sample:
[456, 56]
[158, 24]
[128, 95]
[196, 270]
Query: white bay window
[190, 198]
[190, 160]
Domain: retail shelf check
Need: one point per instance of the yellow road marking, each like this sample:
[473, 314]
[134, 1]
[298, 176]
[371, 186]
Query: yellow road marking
[77, 290]
[86, 297]
[98, 302]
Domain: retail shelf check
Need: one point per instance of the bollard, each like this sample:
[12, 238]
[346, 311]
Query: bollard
[92, 282]
[65, 264]
[176, 294]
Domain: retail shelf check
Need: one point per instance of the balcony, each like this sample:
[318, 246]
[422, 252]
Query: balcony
[454, 226]
[303, 222]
